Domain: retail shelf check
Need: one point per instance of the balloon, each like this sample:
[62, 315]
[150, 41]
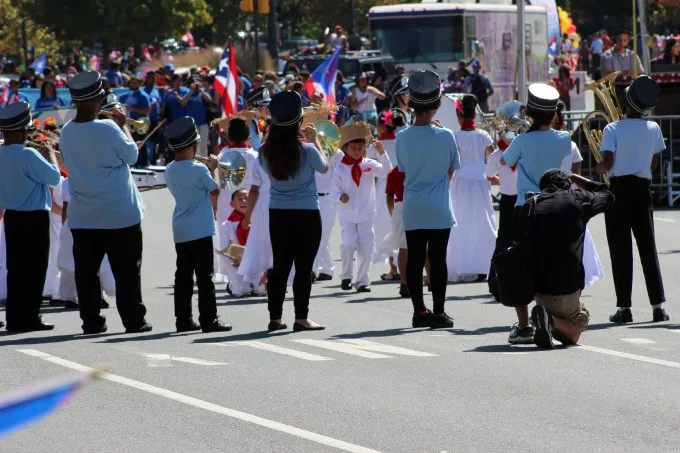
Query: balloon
[570, 22]
[563, 14]
[575, 44]
[571, 29]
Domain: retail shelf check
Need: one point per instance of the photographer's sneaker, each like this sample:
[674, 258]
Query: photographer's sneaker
[543, 323]
[521, 335]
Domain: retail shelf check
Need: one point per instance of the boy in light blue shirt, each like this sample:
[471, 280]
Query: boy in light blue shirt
[193, 226]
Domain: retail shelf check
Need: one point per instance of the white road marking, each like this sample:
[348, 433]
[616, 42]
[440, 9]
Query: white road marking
[341, 347]
[183, 359]
[664, 219]
[377, 347]
[673, 330]
[285, 351]
[625, 355]
[243, 416]
[638, 340]
[158, 360]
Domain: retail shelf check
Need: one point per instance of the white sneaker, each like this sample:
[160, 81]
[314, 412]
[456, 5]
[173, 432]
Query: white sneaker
[524, 335]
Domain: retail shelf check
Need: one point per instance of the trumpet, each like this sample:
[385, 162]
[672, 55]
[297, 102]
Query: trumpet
[140, 126]
[605, 90]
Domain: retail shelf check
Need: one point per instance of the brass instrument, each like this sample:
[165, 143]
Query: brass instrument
[508, 120]
[232, 170]
[234, 251]
[605, 90]
[140, 126]
[329, 136]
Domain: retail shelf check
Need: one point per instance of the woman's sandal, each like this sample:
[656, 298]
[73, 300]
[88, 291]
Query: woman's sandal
[390, 277]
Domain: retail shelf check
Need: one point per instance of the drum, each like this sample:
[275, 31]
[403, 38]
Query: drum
[160, 175]
[144, 179]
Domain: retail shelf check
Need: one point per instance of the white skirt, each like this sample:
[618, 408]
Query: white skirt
[397, 238]
[51, 287]
[65, 260]
[591, 261]
[473, 239]
[258, 255]
[382, 224]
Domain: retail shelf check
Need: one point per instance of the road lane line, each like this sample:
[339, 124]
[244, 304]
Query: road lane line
[664, 219]
[377, 347]
[344, 348]
[638, 340]
[625, 355]
[164, 357]
[285, 351]
[232, 413]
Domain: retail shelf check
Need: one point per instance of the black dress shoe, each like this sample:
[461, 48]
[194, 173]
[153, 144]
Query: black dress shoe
[146, 327]
[2, 324]
[660, 315]
[364, 289]
[622, 316]
[57, 303]
[441, 321]
[324, 277]
[35, 327]
[423, 319]
[216, 326]
[71, 305]
[403, 291]
[229, 290]
[274, 326]
[105, 304]
[187, 325]
[313, 277]
[481, 277]
[346, 284]
[95, 329]
[300, 328]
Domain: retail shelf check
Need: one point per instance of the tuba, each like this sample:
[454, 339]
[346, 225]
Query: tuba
[508, 120]
[232, 170]
[329, 136]
[605, 90]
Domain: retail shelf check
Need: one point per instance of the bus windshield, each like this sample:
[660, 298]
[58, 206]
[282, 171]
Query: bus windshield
[420, 40]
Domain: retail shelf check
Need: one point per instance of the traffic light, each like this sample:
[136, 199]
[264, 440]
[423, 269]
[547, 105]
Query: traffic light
[262, 6]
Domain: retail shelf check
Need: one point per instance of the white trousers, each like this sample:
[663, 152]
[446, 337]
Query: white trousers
[359, 238]
[238, 285]
[52, 277]
[323, 263]
[67, 285]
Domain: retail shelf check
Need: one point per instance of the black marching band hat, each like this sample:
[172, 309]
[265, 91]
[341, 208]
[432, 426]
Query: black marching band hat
[398, 85]
[643, 94]
[542, 97]
[424, 87]
[111, 102]
[182, 133]
[259, 97]
[85, 86]
[16, 117]
[286, 108]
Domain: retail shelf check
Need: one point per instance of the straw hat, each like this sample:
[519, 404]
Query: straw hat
[358, 130]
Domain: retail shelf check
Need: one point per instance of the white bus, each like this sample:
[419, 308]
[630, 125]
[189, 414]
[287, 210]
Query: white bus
[438, 35]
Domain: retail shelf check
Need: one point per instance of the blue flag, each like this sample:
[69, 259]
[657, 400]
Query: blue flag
[39, 63]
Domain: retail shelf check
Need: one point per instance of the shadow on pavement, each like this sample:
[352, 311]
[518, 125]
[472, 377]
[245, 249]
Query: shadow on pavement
[655, 325]
[262, 335]
[510, 348]
[147, 337]
[47, 340]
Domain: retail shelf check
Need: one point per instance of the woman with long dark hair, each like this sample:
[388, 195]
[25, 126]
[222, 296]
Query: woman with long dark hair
[290, 156]
[671, 53]
[49, 97]
[538, 150]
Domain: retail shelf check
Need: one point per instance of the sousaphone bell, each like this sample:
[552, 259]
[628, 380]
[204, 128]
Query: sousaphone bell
[232, 169]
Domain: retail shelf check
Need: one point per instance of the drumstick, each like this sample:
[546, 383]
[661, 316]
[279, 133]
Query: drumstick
[152, 132]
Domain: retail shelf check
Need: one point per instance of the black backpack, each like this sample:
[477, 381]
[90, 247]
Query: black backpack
[478, 88]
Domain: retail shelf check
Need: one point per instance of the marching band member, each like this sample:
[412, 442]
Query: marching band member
[631, 149]
[106, 210]
[398, 89]
[472, 241]
[3, 263]
[294, 219]
[258, 99]
[382, 225]
[428, 155]
[25, 177]
[239, 141]
[572, 165]
[354, 187]
[193, 226]
[534, 152]
[67, 293]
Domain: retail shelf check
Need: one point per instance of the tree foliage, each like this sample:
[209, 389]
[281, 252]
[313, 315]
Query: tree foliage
[40, 38]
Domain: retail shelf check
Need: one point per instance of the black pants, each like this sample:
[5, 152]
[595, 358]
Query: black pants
[27, 234]
[123, 247]
[431, 244]
[295, 236]
[507, 232]
[195, 257]
[632, 211]
[595, 63]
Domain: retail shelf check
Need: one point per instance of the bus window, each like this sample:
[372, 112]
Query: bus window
[420, 39]
[470, 35]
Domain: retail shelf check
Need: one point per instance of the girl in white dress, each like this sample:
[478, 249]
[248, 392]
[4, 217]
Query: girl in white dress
[473, 239]
[572, 164]
[257, 258]
[52, 277]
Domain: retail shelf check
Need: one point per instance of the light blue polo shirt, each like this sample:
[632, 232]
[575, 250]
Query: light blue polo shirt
[255, 140]
[190, 184]
[300, 191]
[97, 156]
[24, 179]
[634, 142]
[536, 152]
[426, 154]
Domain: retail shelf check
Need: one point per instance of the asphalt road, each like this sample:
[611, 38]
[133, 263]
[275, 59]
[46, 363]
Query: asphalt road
[369, 383]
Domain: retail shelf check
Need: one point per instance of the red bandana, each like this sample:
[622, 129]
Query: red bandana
[468, 124]
[503, 146]
[241, 232]
[64, 174]
[387, 136]
[356, 168]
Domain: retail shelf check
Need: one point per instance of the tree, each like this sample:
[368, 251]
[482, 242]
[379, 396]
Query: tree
[118, 22]
[40, 38]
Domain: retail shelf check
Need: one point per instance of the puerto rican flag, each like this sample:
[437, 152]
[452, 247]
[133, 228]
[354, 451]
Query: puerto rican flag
[322, 80]
[226, 81]
[188, 38]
